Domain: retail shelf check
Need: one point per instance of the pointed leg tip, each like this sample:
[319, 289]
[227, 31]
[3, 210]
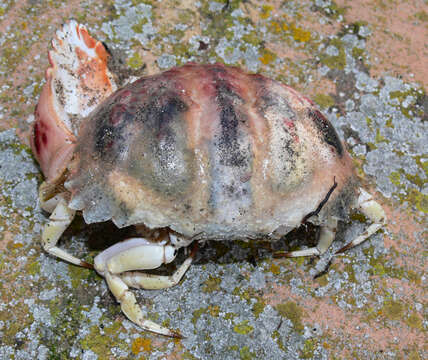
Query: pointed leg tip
[282, 254]
[86, 265]
[176, 335]
[343, 249]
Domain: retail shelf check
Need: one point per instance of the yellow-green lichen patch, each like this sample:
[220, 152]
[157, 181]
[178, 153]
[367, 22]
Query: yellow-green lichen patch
[189, 356]
[245, 294]
[414, 321]
[33, 268]
[79, 275]
[414, 355]
[323, 100]
[258, 308]
[97, 342]
[266, 11]
[380, 138]
[267, 57]
[422, 15]
[411, 194]
[141, 344]
[393, 310]
[408, 101]
[135, 61]
[138, 27]
[14, 321]
[309, 348]
[351, 272]
[253, 38]
[293, 312]
[243, 328]
[246, 354]
[300, 34]
[214, 310]
[382, 265]
[335, 61]
[275, 269]
[277, 337]
[197, 314]
[322, 280]
[358, 53]
[212, 284]
[419, 200]
[395, 178]
[278, 26]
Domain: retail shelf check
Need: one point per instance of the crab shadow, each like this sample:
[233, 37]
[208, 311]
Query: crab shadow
[100, 236]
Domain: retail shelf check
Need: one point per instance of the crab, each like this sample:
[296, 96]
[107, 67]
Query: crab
[198, 152]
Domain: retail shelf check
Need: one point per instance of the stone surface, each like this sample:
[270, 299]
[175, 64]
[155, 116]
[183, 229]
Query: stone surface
[365, 69]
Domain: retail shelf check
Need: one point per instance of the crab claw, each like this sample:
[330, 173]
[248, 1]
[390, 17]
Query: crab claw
[77, 80]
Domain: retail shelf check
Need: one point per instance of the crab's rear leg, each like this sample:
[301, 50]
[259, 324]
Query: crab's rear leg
[374, 212]
[367, 206]
[116, 264]
[326, 237]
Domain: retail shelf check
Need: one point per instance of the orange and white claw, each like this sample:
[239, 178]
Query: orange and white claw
[80, 65]
[77, 80]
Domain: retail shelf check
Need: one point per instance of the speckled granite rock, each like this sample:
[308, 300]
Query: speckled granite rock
[236, 301]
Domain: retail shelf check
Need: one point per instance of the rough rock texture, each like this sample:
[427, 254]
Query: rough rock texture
[363, 62]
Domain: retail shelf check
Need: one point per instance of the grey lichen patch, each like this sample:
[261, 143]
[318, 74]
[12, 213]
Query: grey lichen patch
[384, 120]
[334, 56]
[131, 23]
[19, 179]
[330, 9]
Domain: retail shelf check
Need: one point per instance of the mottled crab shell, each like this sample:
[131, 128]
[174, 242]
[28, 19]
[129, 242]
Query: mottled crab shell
[211, 152]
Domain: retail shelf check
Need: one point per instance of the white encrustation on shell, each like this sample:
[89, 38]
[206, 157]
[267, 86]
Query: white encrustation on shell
[199, 152]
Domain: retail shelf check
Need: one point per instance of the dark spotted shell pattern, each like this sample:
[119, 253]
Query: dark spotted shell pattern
[209, 151]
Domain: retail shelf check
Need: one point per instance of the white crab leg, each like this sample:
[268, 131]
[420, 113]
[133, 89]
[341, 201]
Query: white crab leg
[138, 254]
[374, 212]
[60, 219]
[155, 282]
[326, 237]
[131, 309]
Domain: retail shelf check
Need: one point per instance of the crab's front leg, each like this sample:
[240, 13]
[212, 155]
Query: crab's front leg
[59, 220]
[118, 264]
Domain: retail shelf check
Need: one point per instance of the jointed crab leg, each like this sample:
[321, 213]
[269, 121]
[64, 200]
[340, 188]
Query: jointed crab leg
[327, 235]
[139, 254]
[131, 309]
[370, 208]
[374, 212]
[156, 282]
[60, 219]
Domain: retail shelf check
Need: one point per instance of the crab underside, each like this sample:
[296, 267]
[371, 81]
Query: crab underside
[225, 155]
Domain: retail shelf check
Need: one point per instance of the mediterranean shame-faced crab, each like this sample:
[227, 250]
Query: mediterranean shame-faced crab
[194, 153]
